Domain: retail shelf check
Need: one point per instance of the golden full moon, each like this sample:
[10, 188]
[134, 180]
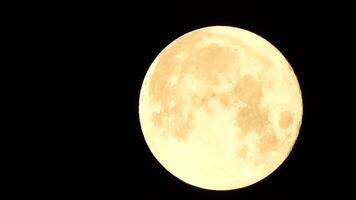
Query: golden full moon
[220, 108]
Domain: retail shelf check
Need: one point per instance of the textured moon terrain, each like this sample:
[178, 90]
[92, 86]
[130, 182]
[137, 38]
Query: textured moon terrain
[220, 108]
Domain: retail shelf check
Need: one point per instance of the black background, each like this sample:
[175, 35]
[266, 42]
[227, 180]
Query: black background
[89, 60]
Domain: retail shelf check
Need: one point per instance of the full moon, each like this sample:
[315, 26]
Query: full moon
[220, 108]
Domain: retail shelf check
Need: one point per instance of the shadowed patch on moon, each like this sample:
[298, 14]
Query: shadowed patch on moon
[243, 152]
[285, 119]
[207, 62]
[249, 90]
[171, 103]
[178, 123]
[157, 119]
[268, 143]
[251, 117]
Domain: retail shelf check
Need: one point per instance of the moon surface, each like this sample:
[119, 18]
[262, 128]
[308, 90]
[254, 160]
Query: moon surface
[220, 108]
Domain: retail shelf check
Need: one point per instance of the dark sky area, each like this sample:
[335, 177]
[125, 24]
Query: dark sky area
[90, 58]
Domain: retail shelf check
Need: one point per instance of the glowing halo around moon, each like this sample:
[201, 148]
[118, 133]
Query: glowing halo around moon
[220, 108]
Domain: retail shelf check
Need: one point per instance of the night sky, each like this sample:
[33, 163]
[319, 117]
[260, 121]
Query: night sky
[90, 59]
